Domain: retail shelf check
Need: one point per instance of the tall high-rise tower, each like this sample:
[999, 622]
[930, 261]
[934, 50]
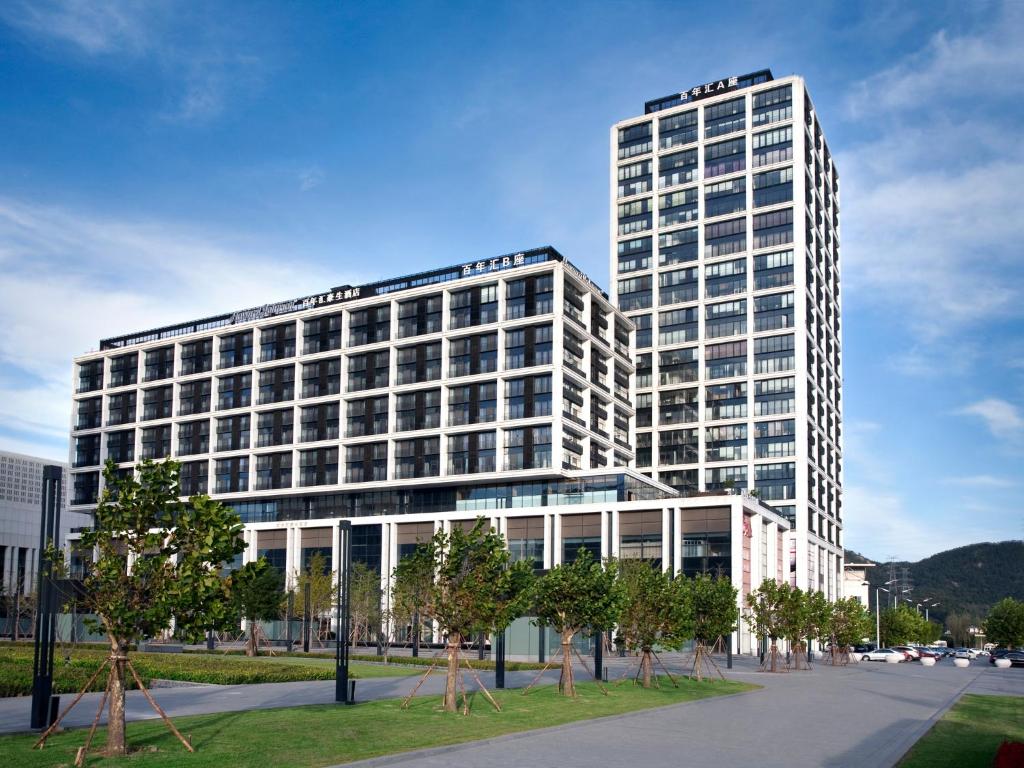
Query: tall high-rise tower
[725, 253]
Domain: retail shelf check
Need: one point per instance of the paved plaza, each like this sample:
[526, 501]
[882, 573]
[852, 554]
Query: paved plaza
[864, 715]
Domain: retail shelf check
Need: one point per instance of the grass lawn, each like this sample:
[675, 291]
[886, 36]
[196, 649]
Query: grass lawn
[970, 733]
[71, 674]
[323, 735]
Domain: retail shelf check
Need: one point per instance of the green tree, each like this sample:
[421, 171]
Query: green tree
[958, 626]
[364, 602]
[1005, 623]
[848, 624]
[256, 596]
[713, 601]
[575, 596]
[412, 581]
[474, 588]
[899, 625]
[816, 616]
[656, 612]
[157, 559]
[323, 594]
[769, 616]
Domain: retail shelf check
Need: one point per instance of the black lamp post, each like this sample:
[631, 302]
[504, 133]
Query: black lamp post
[45, 632]
[342, 692]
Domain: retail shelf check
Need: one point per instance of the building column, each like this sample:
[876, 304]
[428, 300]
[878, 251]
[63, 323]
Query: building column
[615, 533]
[548, 543]
[556, 537]
[666, 540]
[606, 535]
[677, 550]
[292, 557]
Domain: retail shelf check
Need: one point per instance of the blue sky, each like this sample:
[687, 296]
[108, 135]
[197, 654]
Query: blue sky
[164, 161]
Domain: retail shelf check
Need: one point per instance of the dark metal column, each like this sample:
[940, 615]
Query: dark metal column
[598, 654]
[45, 632]
[499, 659]
[342, 691]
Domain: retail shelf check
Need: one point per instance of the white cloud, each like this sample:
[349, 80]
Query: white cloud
[310, 178]
[189, 53]
[1003, 419]
[929, 205]
[71, 278]
[878, 524]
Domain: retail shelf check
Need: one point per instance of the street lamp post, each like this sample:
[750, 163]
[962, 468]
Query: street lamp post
[878, 617]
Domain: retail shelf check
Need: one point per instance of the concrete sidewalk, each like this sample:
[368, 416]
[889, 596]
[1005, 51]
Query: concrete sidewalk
[861, 716]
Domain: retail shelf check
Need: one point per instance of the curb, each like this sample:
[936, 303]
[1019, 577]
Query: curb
[402, 757]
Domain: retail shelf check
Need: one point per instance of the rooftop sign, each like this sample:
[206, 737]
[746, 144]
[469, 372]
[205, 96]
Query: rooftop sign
[707, 90]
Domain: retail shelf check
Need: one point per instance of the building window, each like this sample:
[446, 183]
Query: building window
[194, 437]
[234, 391]
[160, 363]
[775, 482]
[320, 422]
[124, 370]
[677, 326]
[474, 306]
[87, 451]
[677, 446]
[581, 532]
[773, 229]
[773, 147]
[525, 537]
[775, 439]
[89, 413]
[725, 360]
[773, 270]
[678, 247]
[725, 238]
[772, 106]
[676, 169]
[773, 312]
[420, 316]
[275, 428]
[773, 187]
[420, 457]
[774, 354]
[235, 350]
[367, 417]
[726, 443]
[635, 293]
[640, 537]
[156, 442]
[90, 378]
[677, 406]
[473, 403]
[725, 278]
[473, 355]
[725, 117]
[194, 397]
[196, 357]
[528, 397]
[471, 453]
[366, 463]
[233, 433]
[725, 197]
[194, 478]
[677, 286]
[369, 326]
[725, 401]
[274, 471]
[369, 371]
[321, 334]
[527, 347]
[321, 378]
[158, 403]
[278, 384]
[418, 410]
[528, 448]
[635, 140]
[725, 478]
[634, 254]
[121, 408]
[635, 178]
[419, 364]
[634, 216]
[677, 130]
[774, 397]
[677, 366]
[530, 296]
[644, 331]
[318, 467]
[726, 319]
[677, 208]
[121, 446]
[725, 157]
[277, 342]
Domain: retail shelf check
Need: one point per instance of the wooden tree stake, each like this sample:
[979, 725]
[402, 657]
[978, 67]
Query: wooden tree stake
[46, 734]
[154, 705]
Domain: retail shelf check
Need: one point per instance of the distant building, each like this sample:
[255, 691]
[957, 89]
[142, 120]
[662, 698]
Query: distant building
[21, 487]
[855, 582]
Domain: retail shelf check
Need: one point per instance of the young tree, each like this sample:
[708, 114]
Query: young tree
[815, 616]
[1005, 623]
[656, 611]
[256, 596]
[900, 625]
[364, 603]
[575, 596]
[474, 588]
[767, 616]
[158, 559]
[715, 614]
[323, 594]
[794, 622]
[848, 624]
[411, 583]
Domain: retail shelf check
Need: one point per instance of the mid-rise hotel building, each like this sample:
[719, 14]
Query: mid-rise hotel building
[725, 255]
[502, 388]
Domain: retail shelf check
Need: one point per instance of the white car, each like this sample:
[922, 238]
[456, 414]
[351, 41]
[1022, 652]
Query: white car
[883, 654]
[964, 653]
[913, 653]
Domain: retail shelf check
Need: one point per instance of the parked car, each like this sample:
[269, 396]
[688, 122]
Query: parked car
[962, 653]
[1016, 658]
[931, 653]
[864, 648]
[883, 654]
[912, 653]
